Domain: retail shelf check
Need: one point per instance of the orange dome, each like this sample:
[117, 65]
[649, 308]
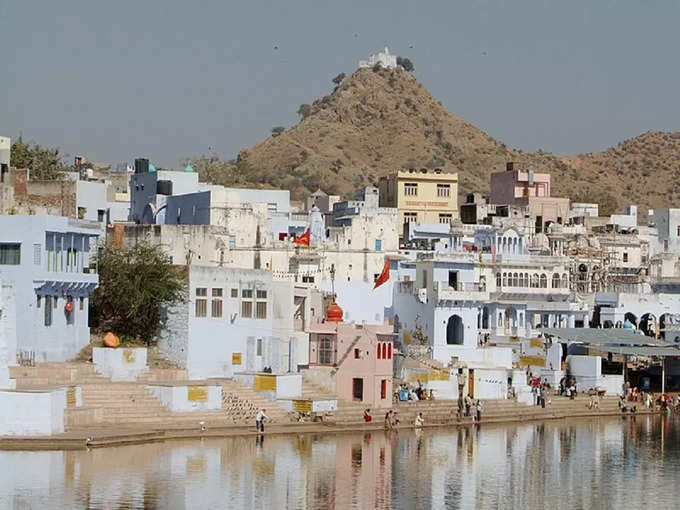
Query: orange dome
[334, 313]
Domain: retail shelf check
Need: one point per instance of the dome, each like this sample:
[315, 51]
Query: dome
[333, 313]
[189, 168]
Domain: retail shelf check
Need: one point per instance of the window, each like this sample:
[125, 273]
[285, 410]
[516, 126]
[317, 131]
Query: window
[356, 353]
[216, 308]
[261, 294]
[325, 351]
[411, 189]
[234, 293]
[505, 279]
[410, 217]
[443, 190]
[55, 301]
[424, 279]
[625, 256]
[307, 279]
[445, 218]
[81, 213]
[10, 254]
[555, 281]
[453, 279]
[544, 281]
[259, 347]
[375, 277]
[246, 309]
[201, 305]
[389, 351]
[100, 215]
[378, 245]
[36, 255]
[261, 310]
[48, 310]
[378, 352]
[82, 304]
[247, 293]
[383, 389]
[498, 279]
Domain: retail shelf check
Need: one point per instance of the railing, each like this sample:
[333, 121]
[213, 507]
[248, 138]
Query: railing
[459, 287]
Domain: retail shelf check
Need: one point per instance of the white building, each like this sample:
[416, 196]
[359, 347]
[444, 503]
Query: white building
[384, 58]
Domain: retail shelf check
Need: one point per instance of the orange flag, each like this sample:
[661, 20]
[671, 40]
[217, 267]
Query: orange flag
[303, 240]
[384, 275]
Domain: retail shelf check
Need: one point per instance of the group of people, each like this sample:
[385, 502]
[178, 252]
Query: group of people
[391, 419]
[406, 392]
[568, 387]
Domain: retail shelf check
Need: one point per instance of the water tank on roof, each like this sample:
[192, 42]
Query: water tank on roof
[141, 165]
[164, 188]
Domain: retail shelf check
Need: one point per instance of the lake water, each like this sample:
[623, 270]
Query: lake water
[600, 463]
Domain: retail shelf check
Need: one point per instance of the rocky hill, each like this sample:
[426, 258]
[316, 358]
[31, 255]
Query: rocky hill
[378, 121]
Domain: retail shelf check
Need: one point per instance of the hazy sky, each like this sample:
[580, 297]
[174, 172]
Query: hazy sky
[169, 79]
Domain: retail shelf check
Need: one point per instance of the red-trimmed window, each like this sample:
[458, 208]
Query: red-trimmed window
[378, 351]
[389, 351]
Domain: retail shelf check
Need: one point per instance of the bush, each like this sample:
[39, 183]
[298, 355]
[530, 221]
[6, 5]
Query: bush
[277, 130]
[406, 64]
[134, 282]
[304, 110]
[338, 79]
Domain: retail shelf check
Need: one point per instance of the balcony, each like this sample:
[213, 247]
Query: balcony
[463, 291]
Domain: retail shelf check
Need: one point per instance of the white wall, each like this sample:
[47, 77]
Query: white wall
[32, 413]
[180, 399]
[120, 364]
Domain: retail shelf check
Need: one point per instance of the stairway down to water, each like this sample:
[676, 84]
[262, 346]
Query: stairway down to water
[109, 404]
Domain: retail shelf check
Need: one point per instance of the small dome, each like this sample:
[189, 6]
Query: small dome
[189, 168]
[334, 313]
[151, 167]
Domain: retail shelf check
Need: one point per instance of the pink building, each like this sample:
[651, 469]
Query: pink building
[526, 188]
[360, 355]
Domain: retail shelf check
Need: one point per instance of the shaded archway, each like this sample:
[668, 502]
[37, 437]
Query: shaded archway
[454, 331]
[485, 317]
[630, 317]
[648, 324]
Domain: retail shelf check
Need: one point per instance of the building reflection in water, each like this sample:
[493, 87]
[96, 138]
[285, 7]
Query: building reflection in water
[611, 463]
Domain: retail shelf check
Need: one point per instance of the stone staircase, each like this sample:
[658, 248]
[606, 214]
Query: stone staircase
[124, 405]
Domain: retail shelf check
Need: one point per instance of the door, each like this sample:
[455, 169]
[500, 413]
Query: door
[453, 279]
[471, 382]
[383, 389]
[358, 389]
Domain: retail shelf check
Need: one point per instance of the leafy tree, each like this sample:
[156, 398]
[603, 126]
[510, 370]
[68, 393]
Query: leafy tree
[338, 79]
[304, 111]
[43, 164]
[406, 64]
[133, 284]
[277, 130]
[211, 168]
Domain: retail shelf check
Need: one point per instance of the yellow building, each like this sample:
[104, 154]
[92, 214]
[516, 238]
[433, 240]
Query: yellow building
[421, 195]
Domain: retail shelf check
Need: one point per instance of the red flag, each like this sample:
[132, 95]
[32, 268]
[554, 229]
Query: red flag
[384, 275]
[303, 240]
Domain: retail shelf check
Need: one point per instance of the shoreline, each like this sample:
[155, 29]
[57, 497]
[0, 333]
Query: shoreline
[89, 438]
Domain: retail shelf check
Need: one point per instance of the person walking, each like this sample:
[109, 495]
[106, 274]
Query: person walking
[468, 404]
[544, 395]
[479, 411]
[259, 420]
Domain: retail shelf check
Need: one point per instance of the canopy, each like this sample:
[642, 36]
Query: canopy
[612, 336]
[639, 350]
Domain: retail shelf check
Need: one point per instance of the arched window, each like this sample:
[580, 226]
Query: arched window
[556, 281]
[534, 281]
[565, 281]
[384, 351]
[544, 281]
[526, 279]
[515, 280]
[500, 318]
[485, 318]
[498, 280]
[379, 357]
[505, 279]
[389, 351]
[521, 320]
[454, 331]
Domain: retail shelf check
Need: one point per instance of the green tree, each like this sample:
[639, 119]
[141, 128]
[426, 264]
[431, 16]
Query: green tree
[304, 110]
[134, 282]
[211, 168]
[338, 79]
[43, 164]
[406, 64]
[277, 130]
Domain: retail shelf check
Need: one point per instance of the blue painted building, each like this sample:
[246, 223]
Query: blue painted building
[47, 261]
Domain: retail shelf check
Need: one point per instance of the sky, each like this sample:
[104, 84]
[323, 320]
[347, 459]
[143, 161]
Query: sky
[170, 79]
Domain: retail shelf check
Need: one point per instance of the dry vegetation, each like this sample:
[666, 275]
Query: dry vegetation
[377, 121]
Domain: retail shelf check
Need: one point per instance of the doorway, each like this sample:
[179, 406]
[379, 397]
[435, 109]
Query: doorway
[471, 382]
[358, 389]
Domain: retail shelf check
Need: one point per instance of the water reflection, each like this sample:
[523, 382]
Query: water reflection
[608, 463]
